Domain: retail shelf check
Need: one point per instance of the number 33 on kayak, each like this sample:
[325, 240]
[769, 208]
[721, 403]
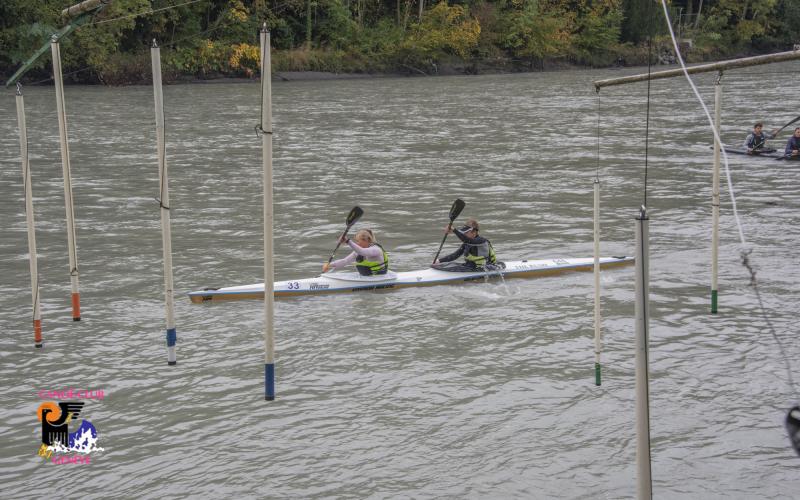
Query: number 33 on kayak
[373, 272]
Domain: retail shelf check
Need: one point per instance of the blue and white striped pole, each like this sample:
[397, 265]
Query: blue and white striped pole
[269, 275]
[163, 183]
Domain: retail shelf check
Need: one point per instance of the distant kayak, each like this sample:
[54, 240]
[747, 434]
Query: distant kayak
[765, 152]
[354, 282]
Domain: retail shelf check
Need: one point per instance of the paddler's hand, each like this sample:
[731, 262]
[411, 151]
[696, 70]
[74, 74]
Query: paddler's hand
[448, 229]
[342, 239]
[436, 261]
[325, 267]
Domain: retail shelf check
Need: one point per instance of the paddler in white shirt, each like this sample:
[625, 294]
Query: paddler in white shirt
[369, 256]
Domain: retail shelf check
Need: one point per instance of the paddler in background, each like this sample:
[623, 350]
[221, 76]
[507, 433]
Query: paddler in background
[793, 145]
[369, 256]
[756, 140]
[477, 251]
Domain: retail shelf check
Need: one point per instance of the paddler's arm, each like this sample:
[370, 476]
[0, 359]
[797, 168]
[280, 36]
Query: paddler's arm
[373, 253]
[748, 142]
[336, 264]
[453, 256]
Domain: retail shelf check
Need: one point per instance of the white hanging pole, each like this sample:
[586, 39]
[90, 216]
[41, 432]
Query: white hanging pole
[644, 486]
[163, 183]
[598, 338]
[715, 195]
[269, 275]
[26, 179]
[62, 132]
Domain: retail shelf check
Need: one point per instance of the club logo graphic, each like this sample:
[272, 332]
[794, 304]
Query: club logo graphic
[56, 438]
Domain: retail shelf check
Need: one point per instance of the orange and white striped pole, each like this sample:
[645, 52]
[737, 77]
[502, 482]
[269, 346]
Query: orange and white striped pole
[26, 179]
[62, 132]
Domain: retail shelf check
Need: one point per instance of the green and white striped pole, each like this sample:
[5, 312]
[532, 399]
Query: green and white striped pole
[715, 196]
[598, 333]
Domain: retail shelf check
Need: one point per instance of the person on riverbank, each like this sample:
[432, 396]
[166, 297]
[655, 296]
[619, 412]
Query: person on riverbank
[477, 251]
[369, 256]
[756, 139]
[793, 145]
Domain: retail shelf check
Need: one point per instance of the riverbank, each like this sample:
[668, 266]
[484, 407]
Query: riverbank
[135, 70]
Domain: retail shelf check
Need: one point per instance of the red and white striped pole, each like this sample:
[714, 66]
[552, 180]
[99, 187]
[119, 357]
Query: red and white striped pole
[26, 179]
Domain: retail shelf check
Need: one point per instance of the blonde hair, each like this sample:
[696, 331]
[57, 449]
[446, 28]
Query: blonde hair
[366, 234]
[473, 224]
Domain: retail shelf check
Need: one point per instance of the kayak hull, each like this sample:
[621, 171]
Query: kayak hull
[766, 152]
[339, 282]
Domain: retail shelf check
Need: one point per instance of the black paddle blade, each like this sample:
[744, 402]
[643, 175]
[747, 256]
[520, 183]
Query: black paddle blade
[354, 215]
[456, 209]
[775, 132]
[793, 426]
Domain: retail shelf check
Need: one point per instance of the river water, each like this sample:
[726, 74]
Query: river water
[475, 390]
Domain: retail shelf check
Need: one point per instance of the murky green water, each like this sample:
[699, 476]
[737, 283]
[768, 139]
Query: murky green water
[477, 390]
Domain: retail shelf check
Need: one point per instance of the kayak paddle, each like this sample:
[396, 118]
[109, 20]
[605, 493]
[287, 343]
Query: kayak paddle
[352, 218]
[456, 209]
[775, 132]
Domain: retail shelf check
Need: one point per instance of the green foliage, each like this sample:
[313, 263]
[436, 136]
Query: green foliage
[642, 19]
[209, 38]
[444, 30]
[597, 31]
[534, 29]
[784, 30]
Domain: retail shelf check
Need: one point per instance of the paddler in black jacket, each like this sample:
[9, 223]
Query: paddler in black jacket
[756, 140]
[477, 251]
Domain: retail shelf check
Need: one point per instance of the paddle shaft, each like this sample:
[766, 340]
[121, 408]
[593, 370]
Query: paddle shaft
[339, 243]
[449, 226]
[775, 132]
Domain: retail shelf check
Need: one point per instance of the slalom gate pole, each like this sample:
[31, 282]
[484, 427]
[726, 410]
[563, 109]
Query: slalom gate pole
[163, 197]
[269, 274]
[65, 166]
[644, 485]
[33, 256]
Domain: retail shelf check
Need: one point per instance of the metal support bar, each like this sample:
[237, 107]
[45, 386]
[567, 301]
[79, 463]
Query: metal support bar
[744, 62]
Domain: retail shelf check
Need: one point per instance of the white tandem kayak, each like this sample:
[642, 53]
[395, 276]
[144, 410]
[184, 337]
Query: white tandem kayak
[353, 282]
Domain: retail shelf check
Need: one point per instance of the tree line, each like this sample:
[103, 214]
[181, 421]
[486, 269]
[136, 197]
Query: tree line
[209, 38]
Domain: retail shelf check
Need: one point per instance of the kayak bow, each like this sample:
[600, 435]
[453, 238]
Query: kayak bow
[353, 282]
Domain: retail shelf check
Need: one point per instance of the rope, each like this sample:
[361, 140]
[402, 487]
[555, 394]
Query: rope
[597, 172]
[164, 156]
[647, 121]
[26, 175]
[260, 126]
[745, 252]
